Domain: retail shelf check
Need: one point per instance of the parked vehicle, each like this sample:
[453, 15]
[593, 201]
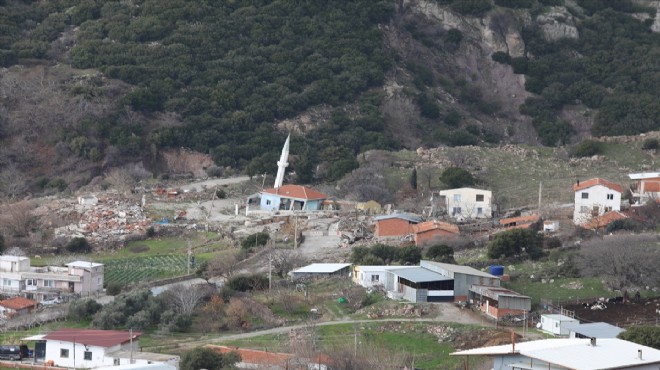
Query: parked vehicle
[13, 352]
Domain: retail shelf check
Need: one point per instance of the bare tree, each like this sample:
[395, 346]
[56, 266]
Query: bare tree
[622, 261]
[120, 180]
[286, 260]
[366, 183]
[17, 218]
[184, 299]
[12, 182]
[236, 313]
[223, 264]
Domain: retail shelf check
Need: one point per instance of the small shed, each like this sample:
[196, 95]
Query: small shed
[593, 330]
[395, 225]
[550, 226]
[321, 270]
[16, 306]
[88, 200]
[418, 284]
[429, 232]
[557, 324]
[498, 302]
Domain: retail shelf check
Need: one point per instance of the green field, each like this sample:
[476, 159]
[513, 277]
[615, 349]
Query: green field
[131, 270]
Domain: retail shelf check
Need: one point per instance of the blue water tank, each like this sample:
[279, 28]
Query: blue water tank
[497, 270]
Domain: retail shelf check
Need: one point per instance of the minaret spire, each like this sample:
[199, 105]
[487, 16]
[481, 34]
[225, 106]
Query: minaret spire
[282, 164]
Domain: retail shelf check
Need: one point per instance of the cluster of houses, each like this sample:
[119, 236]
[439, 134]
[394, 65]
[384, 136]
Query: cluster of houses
[28, 286]
[429, 282]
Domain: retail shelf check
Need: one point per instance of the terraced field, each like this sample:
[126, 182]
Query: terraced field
[137, 269]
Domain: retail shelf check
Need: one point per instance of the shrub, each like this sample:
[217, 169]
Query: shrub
[456, 177]
[588, 148]
[410, 255]
[472, 7]
[624, 224]
[552, 242]
[514, 242]
[644, 335]
[221, 194]
[83, 309]
[441, 253]
[650, 144]
[244, 283]
[78, 245]
[206, 358]
[501, 57]
[113, 289]
[150, 232]
[254, 240]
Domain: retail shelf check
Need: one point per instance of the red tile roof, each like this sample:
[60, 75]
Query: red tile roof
[17, 303]
[100, 338]
[435, 225]
[297, 191]
[597, 181]
[263, 358]
[256, 357]
[603, 220]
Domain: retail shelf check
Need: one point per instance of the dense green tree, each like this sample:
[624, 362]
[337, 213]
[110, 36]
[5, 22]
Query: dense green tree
[441, 253]
[79, 245]
[456, 177]
[644, 335]
[413, 179]
[410, 255]
[206, 358]
[255, 240]
[515, 242]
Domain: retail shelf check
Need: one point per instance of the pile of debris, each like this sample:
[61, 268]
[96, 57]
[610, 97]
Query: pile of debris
[443, 333]
[110, 219]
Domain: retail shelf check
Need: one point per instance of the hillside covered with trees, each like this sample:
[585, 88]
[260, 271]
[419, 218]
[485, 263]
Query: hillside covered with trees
[89, 85]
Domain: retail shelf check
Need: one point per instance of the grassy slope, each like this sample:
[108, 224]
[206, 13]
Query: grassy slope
[514, 179]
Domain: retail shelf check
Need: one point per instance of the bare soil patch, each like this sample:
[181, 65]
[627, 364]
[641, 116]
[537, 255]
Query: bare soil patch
[623, 314]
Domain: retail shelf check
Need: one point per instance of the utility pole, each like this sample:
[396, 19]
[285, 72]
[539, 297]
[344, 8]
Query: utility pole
[270, 268]
[131, 340]
[189, 259]
[540, 195]
[295, 231]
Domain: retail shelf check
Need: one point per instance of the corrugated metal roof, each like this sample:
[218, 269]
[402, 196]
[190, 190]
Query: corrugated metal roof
[84, 264]
[579, 354]
[644, 175]
[322, 268]
[460, 269]
[419, 275]
[379, 268]
[495, 292]
[596, 329]
[403, 216]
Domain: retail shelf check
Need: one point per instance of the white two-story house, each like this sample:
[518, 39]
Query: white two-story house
[594, 198]
[467, 203]
[18, 278]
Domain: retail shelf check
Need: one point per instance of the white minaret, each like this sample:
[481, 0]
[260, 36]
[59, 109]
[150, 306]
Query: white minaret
[282, 164]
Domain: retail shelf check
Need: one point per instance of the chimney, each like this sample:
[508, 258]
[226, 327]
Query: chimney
[639, 354]
[593, 341]
[578, 182]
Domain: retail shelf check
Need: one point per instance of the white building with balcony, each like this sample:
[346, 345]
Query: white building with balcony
[467, 203]
[18, 278]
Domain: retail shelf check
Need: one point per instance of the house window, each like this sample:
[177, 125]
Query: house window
[88, 355]
[6, 282]
[116, 362]
[556, 325]
[268, 202]
[584, 209]
[457, 197]
[375, 278]
[64, 353]
[49, 283]
[608, 209]
[480, 211]
[585, 195]
[99, 281]
[456, 211]
[31, 282]
[610, 196]
[480, 197]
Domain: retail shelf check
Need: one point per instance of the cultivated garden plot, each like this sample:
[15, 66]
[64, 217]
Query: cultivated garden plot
[139, 269]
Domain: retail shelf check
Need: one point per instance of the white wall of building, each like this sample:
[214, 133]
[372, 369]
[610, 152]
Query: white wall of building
[62, 354]
[597, 199]
[557, 324]
[468, 203]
